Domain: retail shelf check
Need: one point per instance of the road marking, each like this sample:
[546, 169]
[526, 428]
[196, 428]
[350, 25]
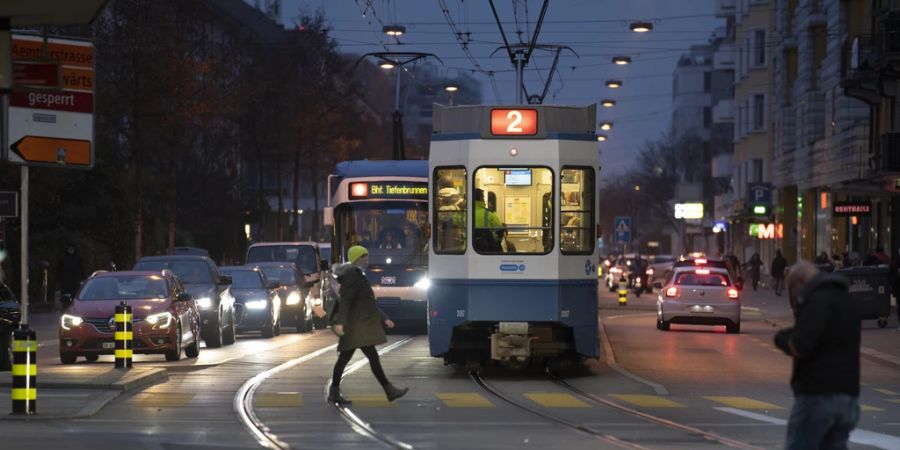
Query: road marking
[163, 399]
[649, 401]
[611, 356]
[886, 391]
[549, 400]
[743, 402]
[464, 400]
[870, 408]
[857, 436]
[371, 401]
[278, 400]
[893, 400]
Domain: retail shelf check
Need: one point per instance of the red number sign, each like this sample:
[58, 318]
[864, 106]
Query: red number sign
[513, 122]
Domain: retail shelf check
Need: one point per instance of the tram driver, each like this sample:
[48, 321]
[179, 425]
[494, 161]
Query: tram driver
[486, 226]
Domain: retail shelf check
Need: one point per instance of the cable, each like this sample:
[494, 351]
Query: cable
[465, 47]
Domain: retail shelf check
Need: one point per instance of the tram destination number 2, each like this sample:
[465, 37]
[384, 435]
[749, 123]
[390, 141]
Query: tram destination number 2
[513, 122]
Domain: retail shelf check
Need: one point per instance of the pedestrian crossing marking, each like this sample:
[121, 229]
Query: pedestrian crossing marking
[649, 401]
[870, 408]
[163, 399]
[548, 400]
[278, 400]
[371, 401]
[894, 400]
[742, 402]
[464, 400]
[886, 391]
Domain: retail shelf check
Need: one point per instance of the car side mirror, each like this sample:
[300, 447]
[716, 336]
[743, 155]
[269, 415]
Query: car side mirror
[184, 297]
[225, 279]
[657, 285]
[323, 266]
[66, 300]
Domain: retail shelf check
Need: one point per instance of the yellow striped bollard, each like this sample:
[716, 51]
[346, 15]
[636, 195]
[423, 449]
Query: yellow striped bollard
[623, 291]
[124, 336]
[24, 371]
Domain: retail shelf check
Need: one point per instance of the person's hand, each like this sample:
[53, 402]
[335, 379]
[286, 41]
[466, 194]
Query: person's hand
[389, 323]
[338, 329]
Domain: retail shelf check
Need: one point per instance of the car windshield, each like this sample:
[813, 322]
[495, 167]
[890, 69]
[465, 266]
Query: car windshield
[325, 253]
[124, 288]
[190, 272]
[702, 279]
[245, 279]
[283, 275]
[303, 255]
[663, 259]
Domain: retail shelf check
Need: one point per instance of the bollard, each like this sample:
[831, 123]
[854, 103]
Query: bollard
[24, 371]
[623, 291]
[124, 336]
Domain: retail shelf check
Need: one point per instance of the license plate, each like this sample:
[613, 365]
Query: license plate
[702, 309]
[388, 281]
[109, 345]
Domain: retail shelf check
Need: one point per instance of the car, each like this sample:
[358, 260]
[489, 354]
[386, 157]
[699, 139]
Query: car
[661, 264]
[165, 317]
[211, 292]
[623, 265]
[257, 306]
[304, 254]
[190, 251]
[325, 251]
[699, 295]
[295, 294]
[702, 261]
[9, 322]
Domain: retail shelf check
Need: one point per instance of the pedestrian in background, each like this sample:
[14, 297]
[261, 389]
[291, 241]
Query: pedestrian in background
[754, 266]
[779, 265]
[895, 282]
[70, 271]
[824, 344]
[359, 324]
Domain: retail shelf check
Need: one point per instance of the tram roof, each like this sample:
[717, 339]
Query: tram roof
[388, 168]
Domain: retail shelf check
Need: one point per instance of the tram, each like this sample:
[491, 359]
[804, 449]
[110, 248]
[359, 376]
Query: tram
[512, 261]
[383, 206]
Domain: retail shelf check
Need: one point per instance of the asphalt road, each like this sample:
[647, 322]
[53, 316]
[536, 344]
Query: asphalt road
[691, 388]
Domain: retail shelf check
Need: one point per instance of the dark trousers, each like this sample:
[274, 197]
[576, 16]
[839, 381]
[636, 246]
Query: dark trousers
[822, 421]
[779, 285]
[344, 358]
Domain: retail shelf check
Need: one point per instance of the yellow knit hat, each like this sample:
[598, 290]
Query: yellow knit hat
[356, 252]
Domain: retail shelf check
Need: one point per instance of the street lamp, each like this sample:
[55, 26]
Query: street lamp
[606, 126]
[641, 27]
[601, 138]
[386, 65]
[394, 30]
[621, 60]
[451, 89]
[613, 84]
[607, 103]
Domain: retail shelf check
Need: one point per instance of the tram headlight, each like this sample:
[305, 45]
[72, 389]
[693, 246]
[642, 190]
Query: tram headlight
[424, 283]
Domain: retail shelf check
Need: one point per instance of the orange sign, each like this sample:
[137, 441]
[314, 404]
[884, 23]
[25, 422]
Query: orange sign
[52, 150]
[66, 54]
[513, 122]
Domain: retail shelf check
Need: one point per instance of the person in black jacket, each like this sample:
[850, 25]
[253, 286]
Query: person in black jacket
[779, 265]
[824, 343]
[359, 324]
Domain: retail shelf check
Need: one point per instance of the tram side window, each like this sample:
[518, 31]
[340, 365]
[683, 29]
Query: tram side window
[450, 210]
[520, 221]
[576, 216]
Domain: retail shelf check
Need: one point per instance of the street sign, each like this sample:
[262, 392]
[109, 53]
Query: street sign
[9, 204]
[759, 193]
[623, 229]
[51, 123]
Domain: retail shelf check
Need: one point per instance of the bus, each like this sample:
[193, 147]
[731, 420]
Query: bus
[383, 206]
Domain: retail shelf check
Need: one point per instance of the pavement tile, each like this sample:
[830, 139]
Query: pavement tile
[649, 401]
[742, 402]
[464, 400]
[549, 400]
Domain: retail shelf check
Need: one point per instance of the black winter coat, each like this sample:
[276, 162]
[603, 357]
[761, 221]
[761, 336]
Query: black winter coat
[357, 310]
[779, 264]
[826, 337]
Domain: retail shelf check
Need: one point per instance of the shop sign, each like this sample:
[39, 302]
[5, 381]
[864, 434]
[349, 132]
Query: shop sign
[767, 230]
[689, 210]
[846, 209]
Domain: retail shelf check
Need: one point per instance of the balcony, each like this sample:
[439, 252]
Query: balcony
[859, 73]
[725, 8]
[887, 154]
[723, 111]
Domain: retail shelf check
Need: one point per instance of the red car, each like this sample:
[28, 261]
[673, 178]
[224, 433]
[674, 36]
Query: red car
[166, 318]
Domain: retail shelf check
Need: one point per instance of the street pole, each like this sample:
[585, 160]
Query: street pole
[520, 68]
[24, 249]
[398, 120]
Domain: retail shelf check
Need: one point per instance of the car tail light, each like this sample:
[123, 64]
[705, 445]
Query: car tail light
[732, 293]
[700, 261]
[702, 271]
[671, 292]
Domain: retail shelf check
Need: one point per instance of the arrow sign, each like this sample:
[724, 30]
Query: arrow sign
[38, 149]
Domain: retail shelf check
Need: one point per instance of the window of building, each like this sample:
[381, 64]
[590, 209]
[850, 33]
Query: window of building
[759, 112]
[512, 210]
[449, 205]
[757, 171]
[576, 215]
[707, 116]
[759, 48]
[707, 81]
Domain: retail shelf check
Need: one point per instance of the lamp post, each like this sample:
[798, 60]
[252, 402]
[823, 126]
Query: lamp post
[395, 61]
[451, 89]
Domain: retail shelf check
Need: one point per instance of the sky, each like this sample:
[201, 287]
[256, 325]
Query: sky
[595, 29]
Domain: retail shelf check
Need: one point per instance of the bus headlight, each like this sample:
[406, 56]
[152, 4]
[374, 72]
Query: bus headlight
[204, 302]
[424, 283]
[162, 320]
[293, 299]
[68, 321]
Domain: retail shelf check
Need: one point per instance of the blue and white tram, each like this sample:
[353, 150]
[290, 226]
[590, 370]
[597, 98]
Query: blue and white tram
[512, 260]
[383, 206]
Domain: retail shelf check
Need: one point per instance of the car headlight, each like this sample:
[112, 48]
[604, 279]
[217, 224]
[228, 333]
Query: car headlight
[293, 299]
[256, 304]
[67, 321]
[162, 320]
[204, 302]
[424, 283]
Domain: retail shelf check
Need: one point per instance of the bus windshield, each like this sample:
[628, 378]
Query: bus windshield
[392, 232]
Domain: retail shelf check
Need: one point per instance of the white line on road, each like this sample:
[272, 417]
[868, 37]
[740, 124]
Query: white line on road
[857, 436]
[611, 359]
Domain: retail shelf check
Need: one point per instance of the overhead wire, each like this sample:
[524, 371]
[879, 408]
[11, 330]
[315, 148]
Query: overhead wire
[464, 44]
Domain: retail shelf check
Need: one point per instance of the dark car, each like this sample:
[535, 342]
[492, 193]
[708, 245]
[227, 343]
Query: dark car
[294, 292]
[9, 321]
[304, 254]
[257, 306]
[210, 290]
[165, 317]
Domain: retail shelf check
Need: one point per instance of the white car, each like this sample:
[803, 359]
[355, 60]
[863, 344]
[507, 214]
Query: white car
[699, 296]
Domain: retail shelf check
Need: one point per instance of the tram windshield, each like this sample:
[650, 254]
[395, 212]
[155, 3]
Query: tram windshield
[513, 210]
[392, 232]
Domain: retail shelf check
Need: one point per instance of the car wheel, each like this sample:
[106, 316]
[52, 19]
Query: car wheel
[277, 328]
[268, 330]
[92, 358]
[733, 328]
[213, 337]
[175, 354]
[193, 350]
[230, 331]
[67, 358]
[662, 325]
